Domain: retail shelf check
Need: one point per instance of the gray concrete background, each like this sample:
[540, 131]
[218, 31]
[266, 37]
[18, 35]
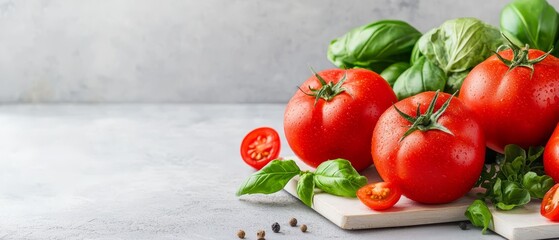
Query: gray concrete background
[215, 51]
[150, 171]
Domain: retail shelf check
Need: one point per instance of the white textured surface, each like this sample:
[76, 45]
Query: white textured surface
[150, 172]
[187, 50]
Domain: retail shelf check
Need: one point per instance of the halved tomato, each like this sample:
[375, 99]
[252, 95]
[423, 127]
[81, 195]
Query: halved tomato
[379, 196]
[550, 204]
[260, 146]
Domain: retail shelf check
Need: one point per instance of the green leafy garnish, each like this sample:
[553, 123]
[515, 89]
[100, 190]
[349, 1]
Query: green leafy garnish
[305, 188]
[271, 178]
[336, 177]
[513, 181]
[479, 215]
[422, 76]
[374, 46]
[537, 185]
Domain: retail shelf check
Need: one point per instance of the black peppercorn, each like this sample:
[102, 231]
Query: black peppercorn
[241, 234]
[276, 227]
[463, 225]
[293, 222]
[303, 228]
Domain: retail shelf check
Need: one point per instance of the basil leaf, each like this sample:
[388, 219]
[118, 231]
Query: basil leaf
[532, 22]
[270, 179]
[455, 80]
[374, 46]
[534, 153]
[512, 152]
[305, 188]
[478, 213]
[420, 77]
[460, 44]
[392, 72]
[338, 177]
[415, 54]
[537, 185]
[509, 195]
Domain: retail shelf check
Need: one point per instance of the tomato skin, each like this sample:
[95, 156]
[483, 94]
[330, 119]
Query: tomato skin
[551, 156]
[379, 196]
[264, 141]
[550, 204]
[341, 127]
[431, 166]
[514, 108]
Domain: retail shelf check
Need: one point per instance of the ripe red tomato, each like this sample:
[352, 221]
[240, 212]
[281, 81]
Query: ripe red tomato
[379, 196]
[515, 106]
[340, 122]
[260, 146]
[429, 165]
[551, 156]
[550, 204]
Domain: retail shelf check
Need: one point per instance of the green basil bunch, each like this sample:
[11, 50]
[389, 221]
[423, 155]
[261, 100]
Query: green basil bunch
[457, 46]
[517, 179]
[532, 22]
[336, 177]
[420, 77]
[374, 46]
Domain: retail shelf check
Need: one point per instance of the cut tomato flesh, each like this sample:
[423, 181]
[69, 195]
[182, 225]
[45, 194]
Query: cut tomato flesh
[379, 196]
[550, 204]
[260, 146]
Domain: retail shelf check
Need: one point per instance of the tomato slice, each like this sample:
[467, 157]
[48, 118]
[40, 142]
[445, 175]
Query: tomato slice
[260, 146]
[380, 195]
[550, 204]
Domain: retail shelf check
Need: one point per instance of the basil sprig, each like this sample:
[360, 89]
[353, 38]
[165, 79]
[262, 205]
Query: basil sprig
[270, 178]
[336, 177]
[339, 178]
[479, 214]
[513, 181]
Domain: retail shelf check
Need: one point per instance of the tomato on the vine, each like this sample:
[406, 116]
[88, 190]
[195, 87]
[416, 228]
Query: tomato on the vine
[379, 196]
[430, 146]
[516, 95]
[551, 156]
[333, 115]
[550, 204]
[260, 146]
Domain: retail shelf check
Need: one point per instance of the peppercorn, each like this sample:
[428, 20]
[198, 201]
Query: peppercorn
[276, 227]
[293, 222]
[241, 234]
[463, 225]
[260, 234]
[303, 228]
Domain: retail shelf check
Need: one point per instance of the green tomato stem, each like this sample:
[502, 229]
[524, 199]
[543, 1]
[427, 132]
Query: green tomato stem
[520, 56]
[327, 91]
[427, 121]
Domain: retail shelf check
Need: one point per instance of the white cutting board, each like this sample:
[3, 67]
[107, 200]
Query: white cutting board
[350, 213]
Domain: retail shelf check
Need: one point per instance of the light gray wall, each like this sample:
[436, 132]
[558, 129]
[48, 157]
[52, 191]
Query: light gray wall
[190, 50]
